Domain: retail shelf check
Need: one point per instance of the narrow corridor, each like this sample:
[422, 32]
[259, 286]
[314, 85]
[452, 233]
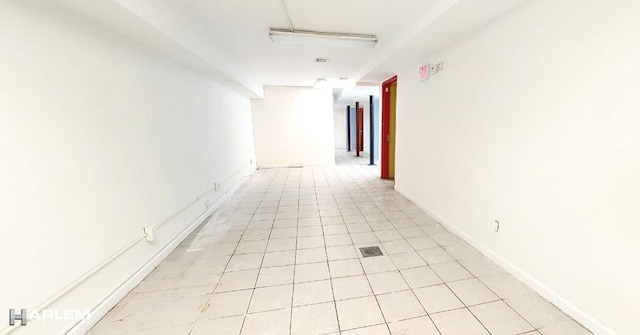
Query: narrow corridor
[282, 256]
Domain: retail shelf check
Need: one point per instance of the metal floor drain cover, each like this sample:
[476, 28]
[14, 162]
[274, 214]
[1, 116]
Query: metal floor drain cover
[371, 251]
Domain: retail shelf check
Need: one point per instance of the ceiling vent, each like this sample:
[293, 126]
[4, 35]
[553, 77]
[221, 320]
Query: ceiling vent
[321, 60]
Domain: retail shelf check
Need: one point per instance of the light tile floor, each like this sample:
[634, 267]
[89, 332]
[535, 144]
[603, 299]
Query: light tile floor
[282, 257]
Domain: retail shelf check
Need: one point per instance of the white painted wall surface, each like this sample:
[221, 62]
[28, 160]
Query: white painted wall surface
[340, 127]
[99, 138]
[365, 126]
[534, 121]
[294, 125]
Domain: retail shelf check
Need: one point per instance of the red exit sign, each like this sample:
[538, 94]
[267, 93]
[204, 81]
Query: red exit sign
[423, 72]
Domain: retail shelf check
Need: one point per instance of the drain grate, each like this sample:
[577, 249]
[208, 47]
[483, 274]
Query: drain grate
[371, 251]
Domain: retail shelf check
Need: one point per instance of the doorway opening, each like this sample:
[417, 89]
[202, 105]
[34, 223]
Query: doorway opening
[388, 151]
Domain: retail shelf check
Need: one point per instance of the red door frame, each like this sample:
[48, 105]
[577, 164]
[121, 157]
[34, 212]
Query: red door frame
[386, 131]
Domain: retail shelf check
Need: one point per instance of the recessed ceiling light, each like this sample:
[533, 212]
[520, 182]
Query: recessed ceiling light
[321, 60]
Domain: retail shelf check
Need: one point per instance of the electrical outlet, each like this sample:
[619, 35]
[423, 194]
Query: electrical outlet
[250, 161]
[149, 234]
[497, 225]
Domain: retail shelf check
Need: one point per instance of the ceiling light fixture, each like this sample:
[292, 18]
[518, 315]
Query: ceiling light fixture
[309, 37]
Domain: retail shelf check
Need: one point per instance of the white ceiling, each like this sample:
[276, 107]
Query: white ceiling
[359, 93]
[240, 27]
[229, 39]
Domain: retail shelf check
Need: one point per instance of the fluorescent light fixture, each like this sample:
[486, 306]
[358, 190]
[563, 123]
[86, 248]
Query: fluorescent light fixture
[308, 37]
[344, 83]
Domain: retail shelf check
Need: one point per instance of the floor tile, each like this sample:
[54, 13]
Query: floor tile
[311, 272]
[283, 233]
[354, 218]
[378, 264]
[505, 285]
[256, 235]
[338, 240]
[411, 232]
[461, 251]
[272, 322]
[148, 314]
[407, 260]
[400, 306]
[451, 271]
[311, 256]
[309, 231]
[281, 244]
[244, 262]
[342, 252]
[381, 225]
[227, 304]
[420, 277]
[239, 280]
[345, 268]
[472, 292]
[458, 322]
[437, 298]
[331, 217]
[565, 328]
[371, 330]
[314, 319]
[500, 319]
[310, 242]
[312, 293]
[279, 258]
[364, 238]
[386, 282]
[537, 311]
[230, 325]
[358, 228]
[351, 287]
[270, 298]
[396, 247]
[481, 267]
[275, 276]
[388, 235]
[435, 256]
[416, 326]
[421, 243]
[357, 313]
[177, 329]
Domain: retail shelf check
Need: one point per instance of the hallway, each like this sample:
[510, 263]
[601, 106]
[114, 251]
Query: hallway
[282, 257]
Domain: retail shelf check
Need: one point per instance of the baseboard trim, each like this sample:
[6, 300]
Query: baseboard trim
[112, 300]
[580, 316]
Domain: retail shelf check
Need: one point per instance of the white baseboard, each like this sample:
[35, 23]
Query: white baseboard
[570, 309]
[112, 300]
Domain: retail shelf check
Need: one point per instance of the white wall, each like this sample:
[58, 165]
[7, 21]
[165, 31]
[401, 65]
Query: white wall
[367, 131]
[294, 125]
[534, 121]
[99, 138]
[340, 127]
[365, 126]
